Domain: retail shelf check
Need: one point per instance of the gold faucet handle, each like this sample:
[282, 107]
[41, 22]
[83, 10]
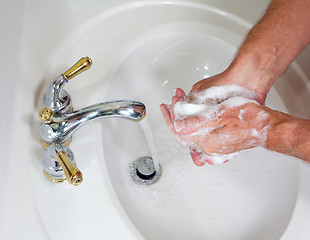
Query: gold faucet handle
[72, 173]
[82, 65]
[46, 115]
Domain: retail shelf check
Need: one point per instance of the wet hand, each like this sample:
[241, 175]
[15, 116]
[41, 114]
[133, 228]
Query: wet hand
[217, 139]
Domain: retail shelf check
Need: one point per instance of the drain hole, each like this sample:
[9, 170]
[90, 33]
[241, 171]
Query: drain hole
[145, 177]
[143, 171]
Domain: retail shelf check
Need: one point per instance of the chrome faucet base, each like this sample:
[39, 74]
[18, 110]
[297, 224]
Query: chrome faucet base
[54, 180]
[60, 122]
[57, 99]
[59, 165]
[51, 166]
[45, 145]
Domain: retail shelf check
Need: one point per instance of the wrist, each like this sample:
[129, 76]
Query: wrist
[285, 135]
[254, 70]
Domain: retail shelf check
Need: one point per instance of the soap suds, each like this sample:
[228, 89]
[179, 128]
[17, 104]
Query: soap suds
[215, 158]
[218, 94]
[241, 115]
[210, 110]
[255, 133]
[262, 115]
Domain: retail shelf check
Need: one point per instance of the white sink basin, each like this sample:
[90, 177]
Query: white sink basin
[141, 51]
[246, 196]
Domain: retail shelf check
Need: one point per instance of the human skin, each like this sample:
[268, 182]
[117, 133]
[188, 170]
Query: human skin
[269, 48]
[274, 131]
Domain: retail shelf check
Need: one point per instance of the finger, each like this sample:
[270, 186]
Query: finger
[198, 86]
[196, 157]
[166, 114]
[180, 93]
[212, 160]
[200, 158]
[174, 100]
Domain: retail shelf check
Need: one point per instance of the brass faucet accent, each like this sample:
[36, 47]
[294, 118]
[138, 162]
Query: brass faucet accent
[72, 173]
[82, 65]
[46, 115]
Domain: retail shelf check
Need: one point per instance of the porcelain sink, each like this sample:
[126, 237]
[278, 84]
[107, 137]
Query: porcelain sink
[141, 50]
[251, 197]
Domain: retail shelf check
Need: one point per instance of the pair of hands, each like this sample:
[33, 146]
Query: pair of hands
[268, 49]
[234, 129]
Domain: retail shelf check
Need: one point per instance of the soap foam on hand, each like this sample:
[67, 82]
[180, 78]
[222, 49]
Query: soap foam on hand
[210, 100]
[218, 94]
[210, 104]
[184, 109]
[215, 158]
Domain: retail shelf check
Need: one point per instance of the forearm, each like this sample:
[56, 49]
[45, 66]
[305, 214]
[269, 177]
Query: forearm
[272, 44]
[289, 135]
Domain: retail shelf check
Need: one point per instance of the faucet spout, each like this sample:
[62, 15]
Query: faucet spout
[62, 126]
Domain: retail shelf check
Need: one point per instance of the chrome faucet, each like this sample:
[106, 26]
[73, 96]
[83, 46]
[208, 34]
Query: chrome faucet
[60, 128]
[59, 122]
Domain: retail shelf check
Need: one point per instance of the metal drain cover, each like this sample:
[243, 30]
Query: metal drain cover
[143, 171]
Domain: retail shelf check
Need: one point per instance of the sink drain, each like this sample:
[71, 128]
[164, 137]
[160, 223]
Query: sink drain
[143, 171]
